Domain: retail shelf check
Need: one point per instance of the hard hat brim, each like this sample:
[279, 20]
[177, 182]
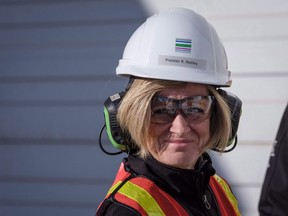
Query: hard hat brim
[168, 73]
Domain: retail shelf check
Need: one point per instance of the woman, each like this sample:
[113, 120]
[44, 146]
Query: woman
[172, 112]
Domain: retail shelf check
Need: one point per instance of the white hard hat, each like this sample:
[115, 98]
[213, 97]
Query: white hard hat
[176, 44]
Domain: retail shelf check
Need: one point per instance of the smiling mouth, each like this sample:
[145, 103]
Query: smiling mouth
[179, 141]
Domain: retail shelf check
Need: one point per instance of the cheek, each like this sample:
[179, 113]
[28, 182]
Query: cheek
[204, 130]
[152, 131]
[155, 134]
[201, 131]
[156, 131]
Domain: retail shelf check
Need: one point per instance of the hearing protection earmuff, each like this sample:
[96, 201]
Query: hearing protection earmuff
[114, 132]
[235, 106]
[119, 140]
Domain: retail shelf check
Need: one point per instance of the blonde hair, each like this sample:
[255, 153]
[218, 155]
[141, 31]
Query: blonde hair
[134, 114]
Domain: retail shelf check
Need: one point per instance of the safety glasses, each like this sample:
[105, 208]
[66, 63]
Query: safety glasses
[194, 109]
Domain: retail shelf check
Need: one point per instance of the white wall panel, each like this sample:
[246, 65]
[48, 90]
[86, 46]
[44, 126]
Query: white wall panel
[249, 196]
[260, 122]
[251, 28]
[255, 88]
[258, 56]
[254, 160]
[222, 8]
[255, 36]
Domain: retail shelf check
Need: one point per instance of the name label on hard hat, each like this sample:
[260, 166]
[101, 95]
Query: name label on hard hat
[182, 62]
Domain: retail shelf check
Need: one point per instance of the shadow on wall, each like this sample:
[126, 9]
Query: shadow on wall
[58, 62]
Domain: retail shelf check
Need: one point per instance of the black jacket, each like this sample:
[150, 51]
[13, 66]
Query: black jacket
[274, 196]
[186, 186]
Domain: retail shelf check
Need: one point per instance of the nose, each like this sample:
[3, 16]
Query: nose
[179, 125]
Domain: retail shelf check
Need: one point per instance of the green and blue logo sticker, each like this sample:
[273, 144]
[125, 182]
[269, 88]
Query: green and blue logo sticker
[183, 45]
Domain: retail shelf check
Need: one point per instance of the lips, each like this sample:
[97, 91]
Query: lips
[179, 141]
[182, 146]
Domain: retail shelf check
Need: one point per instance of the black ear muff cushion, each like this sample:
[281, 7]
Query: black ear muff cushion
[235, 105]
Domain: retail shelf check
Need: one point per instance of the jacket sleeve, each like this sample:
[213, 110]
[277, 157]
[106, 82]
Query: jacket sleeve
[274, 195]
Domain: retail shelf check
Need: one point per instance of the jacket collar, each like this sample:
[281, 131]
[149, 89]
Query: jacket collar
[188, 183]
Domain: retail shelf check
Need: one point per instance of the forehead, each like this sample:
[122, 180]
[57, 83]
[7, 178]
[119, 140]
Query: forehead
[187, 90]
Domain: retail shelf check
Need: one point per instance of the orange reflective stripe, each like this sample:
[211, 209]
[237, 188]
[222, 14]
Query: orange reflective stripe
[121, 174]
[227, 190]
[114, 186]
[163, 203]
[168, 205]
[129, 202]
[147, 198]
[142, 197]
[226, 200]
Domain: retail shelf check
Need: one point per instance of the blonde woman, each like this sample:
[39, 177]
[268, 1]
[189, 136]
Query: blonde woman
[172, 113]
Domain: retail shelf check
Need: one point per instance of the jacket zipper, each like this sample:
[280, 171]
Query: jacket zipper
[213, 198]
[206, 202]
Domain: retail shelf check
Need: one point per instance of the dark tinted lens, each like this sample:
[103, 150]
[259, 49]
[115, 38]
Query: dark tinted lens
[198, 104]
[195, 109]
[163, 110]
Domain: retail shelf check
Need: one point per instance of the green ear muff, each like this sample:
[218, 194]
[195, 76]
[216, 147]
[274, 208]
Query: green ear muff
[113, 130]
[116, 135]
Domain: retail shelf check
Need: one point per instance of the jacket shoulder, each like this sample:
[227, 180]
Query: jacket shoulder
[112, 208]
